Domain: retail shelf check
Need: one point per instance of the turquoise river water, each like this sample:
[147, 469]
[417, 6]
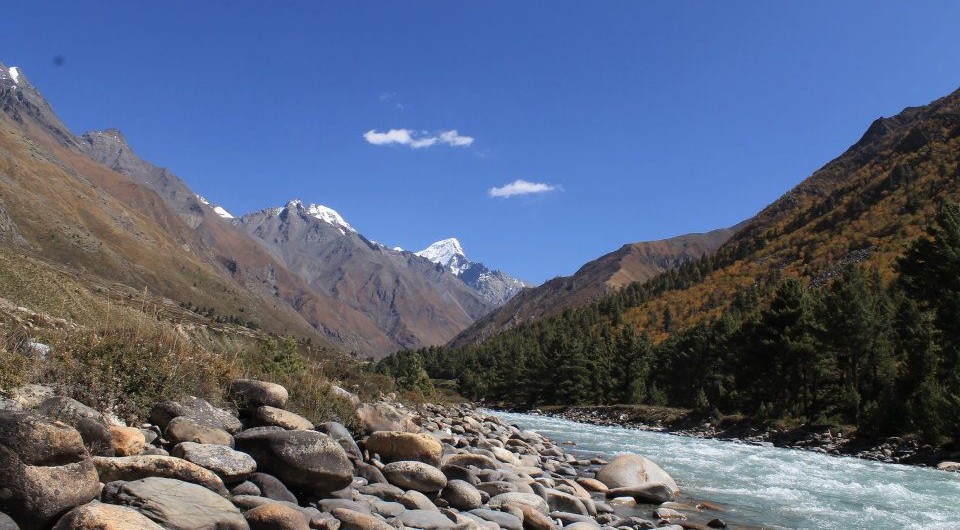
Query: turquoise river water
[772, 487]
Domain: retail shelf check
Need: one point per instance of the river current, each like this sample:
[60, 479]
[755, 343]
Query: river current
[772, 487]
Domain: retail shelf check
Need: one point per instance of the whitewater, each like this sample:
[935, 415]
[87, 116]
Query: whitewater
[773, 487]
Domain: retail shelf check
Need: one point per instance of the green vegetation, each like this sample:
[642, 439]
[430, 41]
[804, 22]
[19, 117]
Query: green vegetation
[881, 355]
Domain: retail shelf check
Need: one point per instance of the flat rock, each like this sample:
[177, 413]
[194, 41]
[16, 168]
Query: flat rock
[185, 429]
[529, 499]
[128, 468]
[176, 505]
[251, 393]
[394, 446]
[413, 475]
[307, 460]
[99, 516]
[45, 469]
[230, 465]
[268, 416]
[196, 409]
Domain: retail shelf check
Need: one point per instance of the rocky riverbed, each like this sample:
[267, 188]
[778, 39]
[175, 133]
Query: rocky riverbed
[834, 441]
[197, 466]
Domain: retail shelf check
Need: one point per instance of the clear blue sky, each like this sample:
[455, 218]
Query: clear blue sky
[648, 119]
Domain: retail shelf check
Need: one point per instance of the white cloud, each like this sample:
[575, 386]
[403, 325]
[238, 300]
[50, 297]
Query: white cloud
[416, 139]
[521, 187]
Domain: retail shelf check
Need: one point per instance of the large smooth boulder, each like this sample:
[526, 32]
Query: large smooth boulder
[504, 519]
[351, 520]
[413, 475]
[271, 487]
[276, 516]
[100, 516]
[128, 468]
[176, 505]
[45, 469]
[949, 466]
[425, 519]
[185, 429]
[250, 394]
[650, 492]
[382, 416]
[230, 465]
[393, 446]
[6, 523]
[340, 433]
[533, 519]
[196, 409]
[470, 459]
[630, 470]
[461, 495]
[91, 425]
[530, 499]
[267, 416]
[306, 460]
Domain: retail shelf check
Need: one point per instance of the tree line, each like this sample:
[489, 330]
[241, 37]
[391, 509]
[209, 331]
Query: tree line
[854, 351]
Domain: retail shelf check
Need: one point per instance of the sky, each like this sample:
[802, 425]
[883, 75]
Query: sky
[542, 134]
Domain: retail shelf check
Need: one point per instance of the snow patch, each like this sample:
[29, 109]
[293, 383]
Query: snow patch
[14, 74]
[448, 253]
[323, 213]
[222, 212]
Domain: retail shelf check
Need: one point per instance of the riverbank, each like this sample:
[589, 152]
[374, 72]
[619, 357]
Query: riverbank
[837, 441]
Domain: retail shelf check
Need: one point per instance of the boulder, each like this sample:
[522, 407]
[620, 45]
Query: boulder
[632, 470]
[230, 465]
[504, 519]
[185, 429]
[250, 394]
[276, 516]
[176, 505]
[306, 460]
[393, 446]
[99, 516]
[414, 500]
[245, 488]
[6, 523]
[198, 410]
[91, 425]
[127, 441]
[470, 459]
[346, 395]
[530, 499]
[340, 433]
[425, 519]
[45, 469]
[413, 475]
[384, 417]
[651, 492]
[949, 466]
[351, 520]
[592, 484]
[267, 416]
[128, 468]
[271, 487]
[564, 502]
[533, 519]
[461, 495]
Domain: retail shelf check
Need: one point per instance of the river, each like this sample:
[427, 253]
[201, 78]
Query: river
[773, 487]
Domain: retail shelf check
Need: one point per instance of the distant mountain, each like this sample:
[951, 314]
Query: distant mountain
[634, 262]
[409, 300]
[497, 287]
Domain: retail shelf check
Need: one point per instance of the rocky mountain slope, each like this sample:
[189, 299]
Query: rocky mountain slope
[495, 286]
[634, 262]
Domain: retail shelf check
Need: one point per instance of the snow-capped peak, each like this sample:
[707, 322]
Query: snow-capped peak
[219, 210]
[443, 252]
[14, 74]
[323, 213]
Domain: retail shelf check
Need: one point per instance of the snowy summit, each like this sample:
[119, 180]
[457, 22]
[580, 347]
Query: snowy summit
[14, 74]
[448, 253]
[217, 209]
[323, 213]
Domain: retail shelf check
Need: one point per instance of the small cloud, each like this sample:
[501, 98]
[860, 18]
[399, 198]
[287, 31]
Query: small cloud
[416, 139]
[387, 96]
[521, 187]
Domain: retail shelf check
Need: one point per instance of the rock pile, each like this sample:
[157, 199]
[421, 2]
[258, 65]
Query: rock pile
[197, 467]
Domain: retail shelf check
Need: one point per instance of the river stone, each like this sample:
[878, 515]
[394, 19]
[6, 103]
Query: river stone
[351, 520]
[384, 417]
[45, 469]
[271, 487]
[329, 504]
[276, 516]
[582, 525]
[267, 416]
[529, 499]
[413, 475]
[176, 505]
[340, 433]
[307, 460]
[668, 514]
[504, 519]
[651, 492]
[414, 500]
[533, 519]
[949, 466]
[632, 470]
[127, 441]
[184, 429]
[198, 410]
[99, 516]
[91, 425]
[381, 507]
[128, 468]
[249, 502]
[461, 495]
[250, 394]
[592, 484]
[6, 523]
[393, 446]
[232, 466]
[460, 473]
[564, 502]
[369, 472]
[425, 519]
[497, 487]
[470, 459]
[384, 491]
[245, 488]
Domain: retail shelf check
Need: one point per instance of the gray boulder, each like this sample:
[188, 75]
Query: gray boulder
[528, 499]
[232, 466]
[267, 416]
[425, 519]
[351, 520]
[250, 394]
[91, 425]
[100, 516]
[271, 487]
[176, 505]
[306, 460]
[632, 470]
[128, 468]
[413, 475]
[394, 446]
[504, 519]
[277, 516]
[196, 409]
[461, 495]
[340, 433]
[185, 429]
